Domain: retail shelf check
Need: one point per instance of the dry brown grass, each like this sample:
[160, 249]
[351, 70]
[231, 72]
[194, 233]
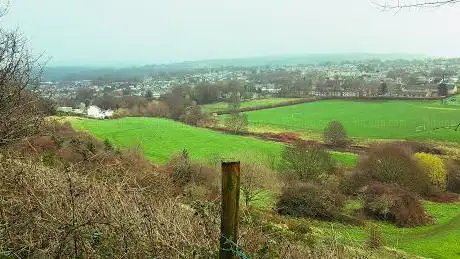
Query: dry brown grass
[62, 213]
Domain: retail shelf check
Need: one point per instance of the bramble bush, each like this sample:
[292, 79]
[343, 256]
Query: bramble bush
[393, 203]
[391, 163]
[435, 169]
[310, 200]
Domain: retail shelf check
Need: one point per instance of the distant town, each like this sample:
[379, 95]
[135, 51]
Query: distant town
[417, 78]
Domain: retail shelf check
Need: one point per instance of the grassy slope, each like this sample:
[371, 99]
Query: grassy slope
[439, 240]
[363, 120]
[208, 108]
[160, 138]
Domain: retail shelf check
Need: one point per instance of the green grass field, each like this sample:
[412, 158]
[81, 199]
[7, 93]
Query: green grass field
[214, 107]
[413, 120]
[160, 138]
[438, 240]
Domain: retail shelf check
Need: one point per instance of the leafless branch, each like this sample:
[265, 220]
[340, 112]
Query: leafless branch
[405, 4]
[20, 106]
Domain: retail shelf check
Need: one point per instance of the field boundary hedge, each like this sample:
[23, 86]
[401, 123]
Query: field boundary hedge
[315, 99]
[268, 106]
[290, 137]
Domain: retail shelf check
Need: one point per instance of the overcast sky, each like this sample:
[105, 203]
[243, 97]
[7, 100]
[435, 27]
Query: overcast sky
[136, 32]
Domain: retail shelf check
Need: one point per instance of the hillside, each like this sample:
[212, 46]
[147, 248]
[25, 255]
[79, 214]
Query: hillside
[82, 73]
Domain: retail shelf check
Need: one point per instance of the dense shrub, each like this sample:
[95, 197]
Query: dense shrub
[391, 163]
[453, 177]
[310, 200]
[180, 167]
[142, 108]
[306, 161]
[421, 147]
[393, 203]
[435, 169]
[120, 113]
[193, 114]
[335, 134]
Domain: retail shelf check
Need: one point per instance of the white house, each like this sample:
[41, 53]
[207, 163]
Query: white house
[65, 109]
[97, 113]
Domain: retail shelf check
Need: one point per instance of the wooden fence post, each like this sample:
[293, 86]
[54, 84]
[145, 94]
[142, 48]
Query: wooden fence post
[230, 207]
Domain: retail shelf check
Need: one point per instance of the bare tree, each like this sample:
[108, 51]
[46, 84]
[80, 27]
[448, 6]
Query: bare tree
[255, 178]
[20, 106]
[404, 4]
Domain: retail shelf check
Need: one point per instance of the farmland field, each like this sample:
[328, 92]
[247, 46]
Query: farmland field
[160, 138]
[209, 108]
[413, 120]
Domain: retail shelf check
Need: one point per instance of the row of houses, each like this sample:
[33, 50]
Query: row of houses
[91, 112]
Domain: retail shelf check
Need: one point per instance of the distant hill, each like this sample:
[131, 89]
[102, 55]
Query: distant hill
[91, 73]
[287, 60]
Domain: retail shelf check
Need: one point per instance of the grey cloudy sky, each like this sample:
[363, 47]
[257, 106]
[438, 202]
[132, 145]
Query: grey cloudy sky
[136, 32]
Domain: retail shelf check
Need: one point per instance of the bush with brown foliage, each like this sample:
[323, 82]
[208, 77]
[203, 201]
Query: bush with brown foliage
[421, 147]
[393, 203]
[180, 166]
[391, 163]
[453, 176]
[310, 200]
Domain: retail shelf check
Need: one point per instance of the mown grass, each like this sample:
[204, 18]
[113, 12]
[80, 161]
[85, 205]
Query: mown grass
[220, 106]
[413, 120]
[161, 138]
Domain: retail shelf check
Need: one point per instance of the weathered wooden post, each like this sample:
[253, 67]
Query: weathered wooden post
[230, 207]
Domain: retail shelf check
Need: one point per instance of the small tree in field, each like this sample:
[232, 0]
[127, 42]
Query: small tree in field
[335, 134]
[307, 162]
[237, 122]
